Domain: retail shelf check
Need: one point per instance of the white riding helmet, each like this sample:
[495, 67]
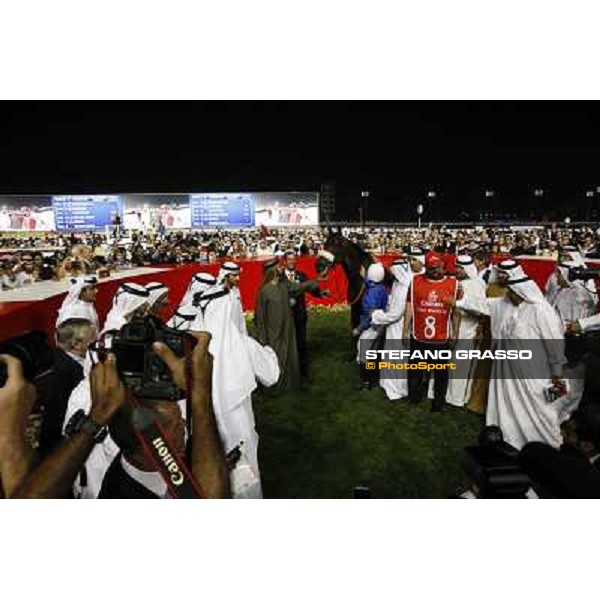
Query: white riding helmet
[376, 273]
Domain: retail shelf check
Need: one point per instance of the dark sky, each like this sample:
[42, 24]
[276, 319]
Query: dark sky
[397, 150]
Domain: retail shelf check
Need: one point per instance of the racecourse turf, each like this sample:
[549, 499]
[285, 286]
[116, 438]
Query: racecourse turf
[323, 441]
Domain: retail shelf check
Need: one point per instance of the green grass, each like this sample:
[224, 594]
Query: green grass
[323, 441]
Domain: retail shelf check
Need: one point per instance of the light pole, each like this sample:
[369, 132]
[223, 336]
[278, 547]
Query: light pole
[364, 198]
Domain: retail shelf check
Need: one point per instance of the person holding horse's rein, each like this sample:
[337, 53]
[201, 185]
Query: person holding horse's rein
[274, 320]
[431, 323]
[298, 304]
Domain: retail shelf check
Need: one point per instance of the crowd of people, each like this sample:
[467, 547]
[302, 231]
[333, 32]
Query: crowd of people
[485, 311]
[90, 446]
[49, 256]
[113, 461]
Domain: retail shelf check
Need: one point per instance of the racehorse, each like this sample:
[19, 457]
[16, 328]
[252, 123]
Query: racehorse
[354, 261]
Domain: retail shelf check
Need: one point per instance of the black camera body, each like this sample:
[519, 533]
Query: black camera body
[140, 368]
[493, 466]
[34, 352]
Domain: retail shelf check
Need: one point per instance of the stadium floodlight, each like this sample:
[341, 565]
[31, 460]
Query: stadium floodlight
[589, 194]
[420, 210]
[431, 194]
[567, 220]
[490, 193]
[365, 194]
[538, 192]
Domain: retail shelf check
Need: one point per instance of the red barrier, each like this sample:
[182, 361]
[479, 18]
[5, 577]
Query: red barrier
[16, 317]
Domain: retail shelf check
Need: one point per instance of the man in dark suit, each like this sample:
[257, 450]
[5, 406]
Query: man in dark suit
[73, 338]
[298, 304]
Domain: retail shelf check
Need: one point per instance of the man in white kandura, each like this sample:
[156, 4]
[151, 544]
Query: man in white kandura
[474, 288]
[229, 278]
[518, 399]
[80, 298]
[393, 319]
[239, 362]
[573, 300]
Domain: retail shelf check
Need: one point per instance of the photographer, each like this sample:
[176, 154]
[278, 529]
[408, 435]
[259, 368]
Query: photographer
[54, 476]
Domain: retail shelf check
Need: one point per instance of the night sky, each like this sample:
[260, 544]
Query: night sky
[396, 150]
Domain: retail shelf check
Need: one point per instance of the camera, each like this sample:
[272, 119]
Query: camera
[34, 352]
[140, 368]
[493, 466]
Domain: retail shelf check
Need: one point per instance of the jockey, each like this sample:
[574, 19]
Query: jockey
[374, 298]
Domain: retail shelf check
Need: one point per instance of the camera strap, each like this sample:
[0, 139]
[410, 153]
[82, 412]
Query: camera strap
[170, 464]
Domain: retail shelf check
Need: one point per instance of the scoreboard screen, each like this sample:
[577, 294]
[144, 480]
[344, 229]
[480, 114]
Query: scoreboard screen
[222, 210]
[86, 213]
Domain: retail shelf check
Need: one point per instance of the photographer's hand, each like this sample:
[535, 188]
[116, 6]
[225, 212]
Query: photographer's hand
[107, 389]
[54, 477]
[209, 465]
[17, 399]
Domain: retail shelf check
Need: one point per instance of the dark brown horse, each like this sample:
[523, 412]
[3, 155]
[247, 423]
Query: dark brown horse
[355, 261]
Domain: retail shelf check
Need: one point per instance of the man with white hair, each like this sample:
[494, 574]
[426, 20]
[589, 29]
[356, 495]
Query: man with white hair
[131, 300]
[393, 319]
[74, 335]
[81, 298]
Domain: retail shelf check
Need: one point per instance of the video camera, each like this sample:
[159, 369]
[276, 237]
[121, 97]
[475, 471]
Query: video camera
[34, 352]
[140, 368]
[493, 466]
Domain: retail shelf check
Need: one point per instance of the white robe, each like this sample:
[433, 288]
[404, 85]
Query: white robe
[102, 454]
[238, 362]
[516, 402]
[459, 389]
[573, 303]
[393, 319]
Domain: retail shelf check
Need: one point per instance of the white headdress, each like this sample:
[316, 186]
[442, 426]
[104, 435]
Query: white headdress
[468, 265]
[71, 300]
[129, 298]
[402, 272]
[227, 268]
[527, 289]
[156, 290]
[199, 283]
[184, 318]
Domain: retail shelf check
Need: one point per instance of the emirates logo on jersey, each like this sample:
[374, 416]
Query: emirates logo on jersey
[433, 297]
